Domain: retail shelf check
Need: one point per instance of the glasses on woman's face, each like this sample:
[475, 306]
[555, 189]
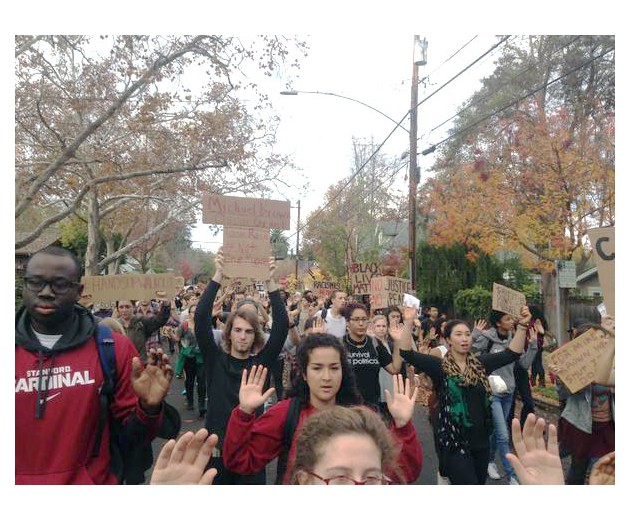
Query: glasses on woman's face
[344, 480]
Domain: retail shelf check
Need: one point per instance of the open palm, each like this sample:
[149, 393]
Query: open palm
[184, 461]
[402, 402]
[535, 463]
[152, 383]
[250, 395]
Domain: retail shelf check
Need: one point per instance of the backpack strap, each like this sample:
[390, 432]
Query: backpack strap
[295, 407]
[324, 313]
[107, 358]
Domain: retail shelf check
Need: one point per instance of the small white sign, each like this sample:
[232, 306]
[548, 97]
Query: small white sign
[567, 277]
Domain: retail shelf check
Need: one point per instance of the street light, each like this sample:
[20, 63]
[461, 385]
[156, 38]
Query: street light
[419, 58]
[296, 92]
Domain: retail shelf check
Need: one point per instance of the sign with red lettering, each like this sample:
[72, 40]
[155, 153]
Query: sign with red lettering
[324, 288]
[246, 212]
[246, 252]
[115, 287]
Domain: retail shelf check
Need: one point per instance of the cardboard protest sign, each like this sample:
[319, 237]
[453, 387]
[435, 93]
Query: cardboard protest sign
[179, 283]
[115, 287]
[507, 300]
[360, 275]
[577, 359]
[246, 212]
[603, 243]
[246, 252]
[323, 288]
[388, 290]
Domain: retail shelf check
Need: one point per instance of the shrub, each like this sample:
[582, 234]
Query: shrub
[474, 303]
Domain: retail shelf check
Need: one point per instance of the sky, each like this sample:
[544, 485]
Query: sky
[317, 130]
[361, 50]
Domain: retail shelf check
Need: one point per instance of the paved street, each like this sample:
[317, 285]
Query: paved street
[428, 476]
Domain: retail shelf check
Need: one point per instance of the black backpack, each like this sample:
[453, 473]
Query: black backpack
[131, 454]
[287, 437]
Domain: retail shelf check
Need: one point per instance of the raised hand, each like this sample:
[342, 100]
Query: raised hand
[396, 332]
[250, 396]
[603, 471]
[410, 313]
[481, 325]
[151, 383]
[184, 461]
[535, 463]
[608, 323]
[218, 266]
[525, 316]
[318, 326]
[401, 404]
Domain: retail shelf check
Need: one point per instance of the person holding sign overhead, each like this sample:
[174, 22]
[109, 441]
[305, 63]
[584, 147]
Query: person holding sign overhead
[463, 417]
[245, 347]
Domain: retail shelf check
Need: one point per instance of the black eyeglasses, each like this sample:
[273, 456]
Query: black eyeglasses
[344, 480]
[58, 285]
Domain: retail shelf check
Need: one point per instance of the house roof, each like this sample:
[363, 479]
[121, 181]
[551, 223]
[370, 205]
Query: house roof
[586, 274]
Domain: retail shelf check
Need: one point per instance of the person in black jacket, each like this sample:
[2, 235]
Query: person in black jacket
[245, 346]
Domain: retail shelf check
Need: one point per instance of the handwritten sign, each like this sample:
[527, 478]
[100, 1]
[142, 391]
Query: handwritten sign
[115, 287]
[388, 290]
[577, 359]
[179, 283]
[324, 289]
[603, 243]
[246, 252]
[360, 275]
[246, 212]
[507, 300]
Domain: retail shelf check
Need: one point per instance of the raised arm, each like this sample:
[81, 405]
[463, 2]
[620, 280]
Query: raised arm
[154, 323]
[203, 314]
[252, 442]
[280, 325]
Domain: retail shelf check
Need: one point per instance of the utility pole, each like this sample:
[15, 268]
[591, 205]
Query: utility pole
[297, 247]
[419, 58]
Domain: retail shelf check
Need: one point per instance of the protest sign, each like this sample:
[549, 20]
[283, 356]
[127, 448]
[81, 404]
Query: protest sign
[507, 300]
[360, 275]
[603, 244]
[179, 283]
[246, 212]
[388, 290]
[323, 288]
[246, 252]
[115, 287]
[577, 359]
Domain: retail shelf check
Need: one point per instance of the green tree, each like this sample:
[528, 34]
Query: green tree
[473, 304]
[279, 243]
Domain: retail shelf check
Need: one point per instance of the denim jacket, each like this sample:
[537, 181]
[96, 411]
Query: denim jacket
[578, 410]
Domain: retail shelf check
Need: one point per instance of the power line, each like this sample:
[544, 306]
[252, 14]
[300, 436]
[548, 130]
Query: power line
[505, 83]
[432, 148]
[351, 178]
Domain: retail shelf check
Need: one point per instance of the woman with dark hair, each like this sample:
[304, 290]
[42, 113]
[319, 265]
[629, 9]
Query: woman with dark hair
[325, 379]
[464, 421]
[367, 354]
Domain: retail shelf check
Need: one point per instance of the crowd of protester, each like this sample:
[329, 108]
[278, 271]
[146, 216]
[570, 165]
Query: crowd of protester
[316, 384]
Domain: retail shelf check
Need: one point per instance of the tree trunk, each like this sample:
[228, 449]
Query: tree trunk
[94, 237]
[550, 308]
[111, 249]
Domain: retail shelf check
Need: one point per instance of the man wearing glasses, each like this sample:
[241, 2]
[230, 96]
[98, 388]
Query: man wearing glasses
[58, 380]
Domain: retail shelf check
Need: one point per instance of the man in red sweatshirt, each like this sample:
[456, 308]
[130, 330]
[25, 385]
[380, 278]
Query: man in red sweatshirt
[58, 378]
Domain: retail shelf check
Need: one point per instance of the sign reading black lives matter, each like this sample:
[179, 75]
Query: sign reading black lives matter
[360, 275]
[507, 300]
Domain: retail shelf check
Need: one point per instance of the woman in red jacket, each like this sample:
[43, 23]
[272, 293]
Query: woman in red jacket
[325, 379]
